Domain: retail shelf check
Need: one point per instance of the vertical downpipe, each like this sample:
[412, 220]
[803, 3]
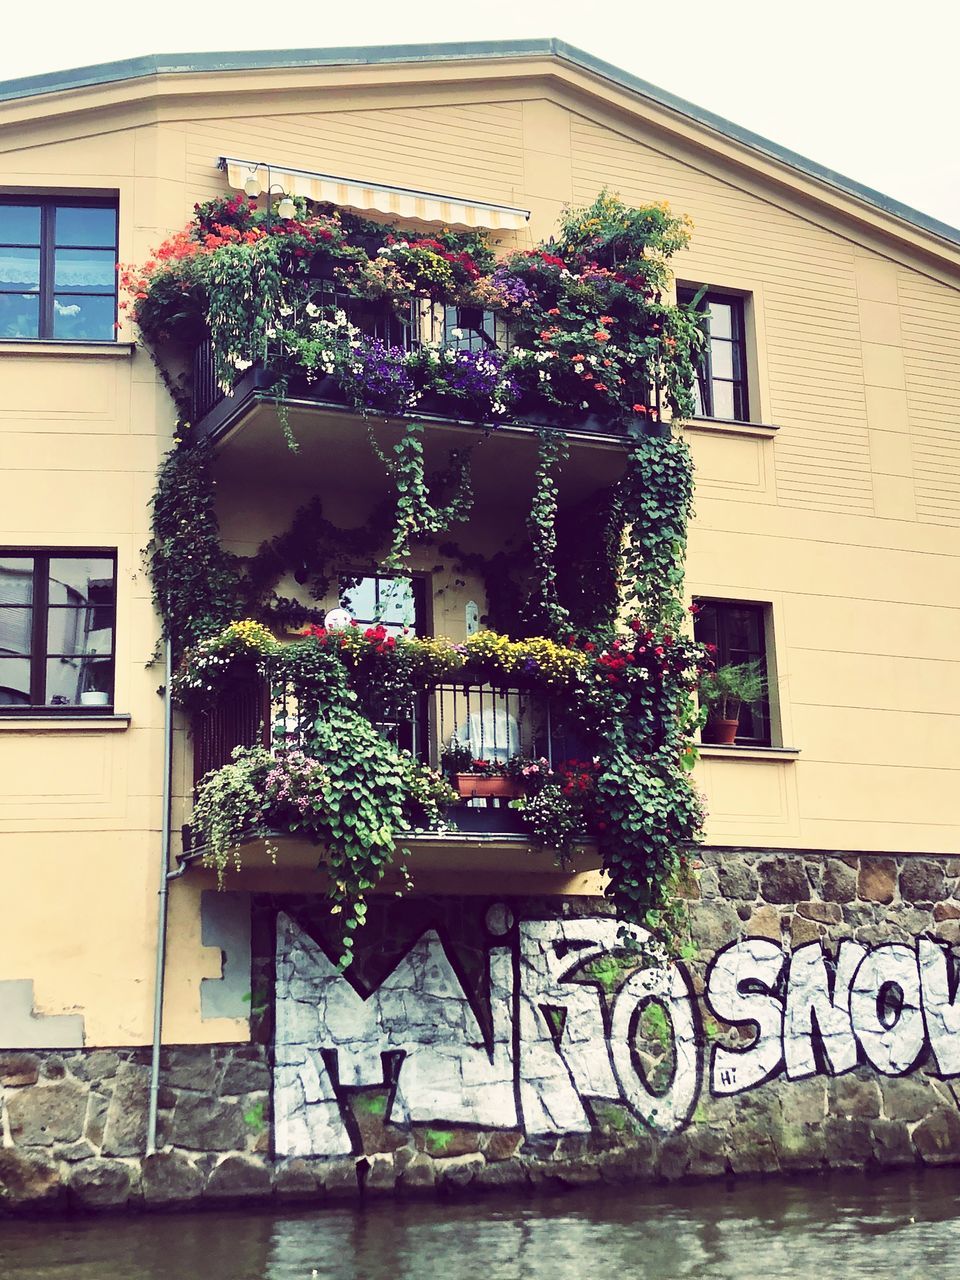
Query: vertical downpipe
[162, 893]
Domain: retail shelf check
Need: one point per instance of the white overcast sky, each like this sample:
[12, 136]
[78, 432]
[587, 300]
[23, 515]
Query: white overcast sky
[866, 87]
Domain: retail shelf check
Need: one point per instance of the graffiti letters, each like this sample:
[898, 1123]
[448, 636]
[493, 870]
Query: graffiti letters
[557, 1039]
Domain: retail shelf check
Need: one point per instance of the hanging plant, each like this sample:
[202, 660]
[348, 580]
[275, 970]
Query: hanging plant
[417, 513]
[544, 612]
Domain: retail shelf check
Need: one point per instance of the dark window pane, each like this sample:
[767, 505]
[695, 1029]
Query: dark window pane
[14, 682]
[77, 579]
[80, 631]
[86, 226]
[16, 630]
[737, 631]
[85, 270]
[19, 315]
[75, 316]
[19, 224]
[19, 269]
[79, 681]
[16, 580]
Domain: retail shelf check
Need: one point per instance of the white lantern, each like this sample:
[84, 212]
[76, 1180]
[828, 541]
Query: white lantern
[337, 619]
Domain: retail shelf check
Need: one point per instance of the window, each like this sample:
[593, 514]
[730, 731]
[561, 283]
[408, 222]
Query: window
[721, 386]
[395, 602]
[738, 632]
[57, 616]
[58, 269]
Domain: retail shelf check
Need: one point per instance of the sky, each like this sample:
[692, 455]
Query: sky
[866, 87]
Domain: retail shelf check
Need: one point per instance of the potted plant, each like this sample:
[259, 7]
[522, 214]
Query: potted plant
[487, 779]
[722, 692]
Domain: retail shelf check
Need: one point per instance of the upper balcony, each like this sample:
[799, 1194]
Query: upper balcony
[449, 364]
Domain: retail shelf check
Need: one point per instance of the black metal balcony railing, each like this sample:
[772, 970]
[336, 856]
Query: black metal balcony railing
[422, 323]
[471, 719]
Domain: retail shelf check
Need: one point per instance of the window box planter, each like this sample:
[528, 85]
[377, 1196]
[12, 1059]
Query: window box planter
[474, 786]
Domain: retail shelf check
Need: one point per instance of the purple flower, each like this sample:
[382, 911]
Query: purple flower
[377, 377]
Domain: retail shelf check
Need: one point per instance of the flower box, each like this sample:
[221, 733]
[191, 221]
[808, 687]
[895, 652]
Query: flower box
[475, 786]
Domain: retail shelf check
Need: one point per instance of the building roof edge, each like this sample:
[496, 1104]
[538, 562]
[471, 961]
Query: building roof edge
[372, 55]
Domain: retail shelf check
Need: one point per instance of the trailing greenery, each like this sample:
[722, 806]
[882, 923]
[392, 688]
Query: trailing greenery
[588, 611]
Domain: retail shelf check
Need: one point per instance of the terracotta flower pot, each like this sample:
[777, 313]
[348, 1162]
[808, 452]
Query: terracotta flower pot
[720, 732]
[474, 786]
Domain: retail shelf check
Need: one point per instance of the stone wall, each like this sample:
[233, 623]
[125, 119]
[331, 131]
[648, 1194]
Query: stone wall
[486, 1043]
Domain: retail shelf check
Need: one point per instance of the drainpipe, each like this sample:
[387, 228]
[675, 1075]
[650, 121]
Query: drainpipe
[162, 893]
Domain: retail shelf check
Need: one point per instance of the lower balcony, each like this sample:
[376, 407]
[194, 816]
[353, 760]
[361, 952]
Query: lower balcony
[492, 744]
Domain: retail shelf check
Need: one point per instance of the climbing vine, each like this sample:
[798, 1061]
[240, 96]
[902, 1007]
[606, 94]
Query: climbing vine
[592, 599]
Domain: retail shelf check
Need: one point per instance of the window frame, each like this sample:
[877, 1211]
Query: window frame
[737, 302]
[419, 583]
[47, 291]
[764, 709]
[38, 656]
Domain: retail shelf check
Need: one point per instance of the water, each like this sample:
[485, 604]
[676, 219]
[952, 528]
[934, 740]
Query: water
[905, 1226]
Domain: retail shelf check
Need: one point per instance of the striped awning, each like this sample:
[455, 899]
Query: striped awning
[372, 197]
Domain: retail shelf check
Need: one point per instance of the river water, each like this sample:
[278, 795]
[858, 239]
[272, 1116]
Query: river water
[906, 1225]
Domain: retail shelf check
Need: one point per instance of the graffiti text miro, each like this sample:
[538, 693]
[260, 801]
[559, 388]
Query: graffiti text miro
[554, 1043]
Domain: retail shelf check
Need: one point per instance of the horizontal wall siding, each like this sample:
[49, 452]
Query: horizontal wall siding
[472, 151]
[802, 276]
[930, 317]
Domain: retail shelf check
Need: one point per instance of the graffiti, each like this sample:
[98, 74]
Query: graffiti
[555, 1042]
[886, 1006]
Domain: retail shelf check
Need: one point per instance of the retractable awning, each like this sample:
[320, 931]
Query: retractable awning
[372, 197]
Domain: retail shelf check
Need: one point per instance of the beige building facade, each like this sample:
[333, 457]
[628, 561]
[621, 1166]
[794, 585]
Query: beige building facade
[828, 503]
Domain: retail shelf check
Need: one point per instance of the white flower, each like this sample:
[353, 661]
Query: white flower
[241, 364]
[312, 309]
[456, 333]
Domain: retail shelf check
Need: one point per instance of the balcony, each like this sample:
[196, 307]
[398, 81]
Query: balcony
[450, 728]
[422, 324]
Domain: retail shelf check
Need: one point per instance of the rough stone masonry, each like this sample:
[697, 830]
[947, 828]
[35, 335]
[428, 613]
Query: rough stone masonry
[484, 1043]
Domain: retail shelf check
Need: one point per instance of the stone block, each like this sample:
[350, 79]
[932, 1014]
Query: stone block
[891, 1144]
[937, 1139]
[239, 1177]
[783, 880]
[96, 1118]
[101, 1184]
[202, 1123]
[418, 1174]
[53, 1068]
[849, 1142]
[458, 1171]
[443, 1143]
[244, 1076]
[822, 912]
[922, 880]
[125, 1131]
[190, 1068]
[19, 1069]
[737, 879]
[946, 911]
[169, 1178]
[801, 1146]
[297, 1180]
[381, 1174]
[340, 1179]
[839, 881]
[803, 931]
[74, 1151]
[503, 1174]
[851, 1096]
[502, 1145]
[40, 1115]
[96, 1066]
[877, 879]
[764, 923]
[29, 1180]
[909, 1098]
[713, 925]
